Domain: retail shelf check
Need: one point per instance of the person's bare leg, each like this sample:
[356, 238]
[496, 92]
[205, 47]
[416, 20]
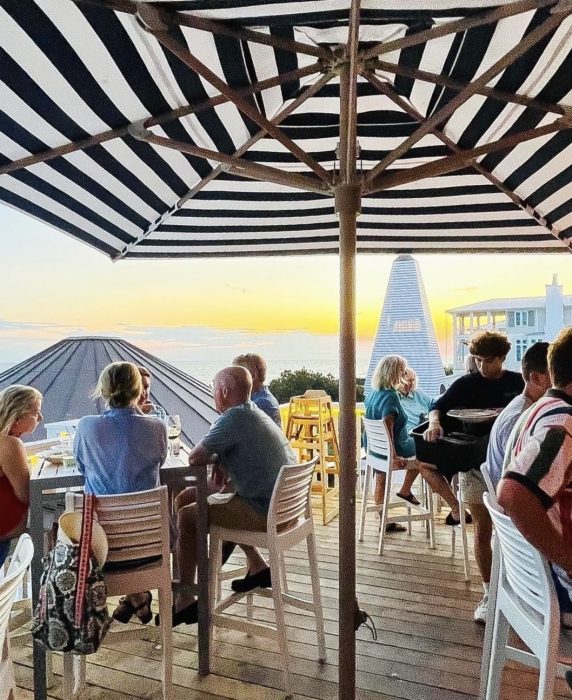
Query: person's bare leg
[186, 553]
[440, 485]
[379, 490]
[410, 476]
[255, 560]
[483, 532]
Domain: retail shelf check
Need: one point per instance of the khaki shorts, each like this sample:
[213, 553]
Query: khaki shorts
[473, 486]
[237, 514]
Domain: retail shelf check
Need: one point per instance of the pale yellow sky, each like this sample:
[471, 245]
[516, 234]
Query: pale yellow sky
[50, 280]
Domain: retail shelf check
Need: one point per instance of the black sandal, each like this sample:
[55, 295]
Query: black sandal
[125, 610]
[410, 498]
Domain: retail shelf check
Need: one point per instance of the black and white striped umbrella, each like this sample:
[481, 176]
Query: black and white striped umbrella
[76, 76]
[230, 127]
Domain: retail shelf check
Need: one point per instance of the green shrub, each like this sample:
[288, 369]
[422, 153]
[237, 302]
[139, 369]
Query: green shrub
[295, 382]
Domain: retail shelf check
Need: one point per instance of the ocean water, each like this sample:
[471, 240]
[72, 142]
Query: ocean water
[205, 369]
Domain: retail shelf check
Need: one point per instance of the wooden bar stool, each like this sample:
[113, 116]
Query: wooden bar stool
[311, 430]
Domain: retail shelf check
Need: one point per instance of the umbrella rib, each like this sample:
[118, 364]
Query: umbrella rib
[389, 90]
[528, 42]
[463, 158]
[456, 26]
[494, 93]
[152, 20]
[308, 92]
[171, 115]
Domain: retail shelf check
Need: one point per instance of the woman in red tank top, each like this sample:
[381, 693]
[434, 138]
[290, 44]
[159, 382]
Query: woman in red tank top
[20, 408]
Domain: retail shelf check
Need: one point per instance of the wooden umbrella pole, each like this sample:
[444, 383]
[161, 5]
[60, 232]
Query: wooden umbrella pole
[348, 197]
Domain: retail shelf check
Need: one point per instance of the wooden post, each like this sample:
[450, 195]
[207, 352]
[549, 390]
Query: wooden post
[348, 199]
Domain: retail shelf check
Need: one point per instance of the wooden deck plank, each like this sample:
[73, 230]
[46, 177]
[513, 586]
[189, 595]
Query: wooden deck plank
[429, 647]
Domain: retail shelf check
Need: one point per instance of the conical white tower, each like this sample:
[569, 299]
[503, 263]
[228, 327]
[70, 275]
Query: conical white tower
[406, 329]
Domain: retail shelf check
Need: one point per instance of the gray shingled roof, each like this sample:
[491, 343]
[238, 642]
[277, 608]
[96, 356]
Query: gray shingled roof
[66, 374]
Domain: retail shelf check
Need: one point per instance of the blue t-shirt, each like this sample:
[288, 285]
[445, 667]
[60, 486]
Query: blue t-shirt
[120, 451]
[251, 448]
[267, 402]
[381, 403]
[416, 406]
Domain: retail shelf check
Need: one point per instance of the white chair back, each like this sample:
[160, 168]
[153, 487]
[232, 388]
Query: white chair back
[490, 486]
[9, 585]
[379, 445]
[291, 494]
[132, 522]
[524, 569]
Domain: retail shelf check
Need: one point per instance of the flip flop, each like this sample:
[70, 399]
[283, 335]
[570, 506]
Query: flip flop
[410, 498]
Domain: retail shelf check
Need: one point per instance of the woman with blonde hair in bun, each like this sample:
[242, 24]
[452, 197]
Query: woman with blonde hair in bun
[20, 413]
[121, 451]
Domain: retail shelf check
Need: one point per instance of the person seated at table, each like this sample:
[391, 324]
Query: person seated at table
[491, 387]
[121, 451]
[20, 413]
[145, 403]
[415, 401]
[383, 404]
[261, 394]
[251, 449]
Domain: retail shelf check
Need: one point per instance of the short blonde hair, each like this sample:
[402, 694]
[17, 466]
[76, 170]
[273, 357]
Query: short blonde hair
[119, 384]
[15, 402]
[252, 361]
[388, 372]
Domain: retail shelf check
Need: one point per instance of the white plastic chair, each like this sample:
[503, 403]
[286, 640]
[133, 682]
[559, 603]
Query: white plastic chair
[137, 529]
[8, 588]
[380, 454]
[526, 601]
[289, 523]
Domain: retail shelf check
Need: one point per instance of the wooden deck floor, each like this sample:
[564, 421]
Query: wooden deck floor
[428, 648]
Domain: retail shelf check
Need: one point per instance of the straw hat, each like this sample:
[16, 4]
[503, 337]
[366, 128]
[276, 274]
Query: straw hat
[69, 532]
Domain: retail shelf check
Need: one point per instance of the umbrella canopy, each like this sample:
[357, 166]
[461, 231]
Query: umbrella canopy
[66, 373]
[231, 104]
[209, 127]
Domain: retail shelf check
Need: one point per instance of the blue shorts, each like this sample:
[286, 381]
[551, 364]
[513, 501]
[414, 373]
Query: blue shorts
[4, 549]
[563, 587]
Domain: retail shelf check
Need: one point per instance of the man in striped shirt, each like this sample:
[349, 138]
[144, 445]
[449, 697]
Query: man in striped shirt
[536, 488]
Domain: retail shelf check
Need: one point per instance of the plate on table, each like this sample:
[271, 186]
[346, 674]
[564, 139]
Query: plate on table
[474, 415]
[54, 456]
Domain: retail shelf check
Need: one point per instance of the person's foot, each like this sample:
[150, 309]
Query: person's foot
[568, 676]
[261, 579]
[395, 527]
[409, 497]
[481, 610]
[452, 520]
[189, 615]
[125, 610]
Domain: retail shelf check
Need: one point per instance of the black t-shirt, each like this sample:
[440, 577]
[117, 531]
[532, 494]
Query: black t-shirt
[474, 391]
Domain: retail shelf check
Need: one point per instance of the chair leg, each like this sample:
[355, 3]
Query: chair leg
[384, 512]
[546, 678]
[165, 607]
[279, 613]
[215, 563]
[409, 528]
[489, 628]
[498, 654]
[431, 520]
[316, 596]
[365, 492]
[466, 563]
[68, 679]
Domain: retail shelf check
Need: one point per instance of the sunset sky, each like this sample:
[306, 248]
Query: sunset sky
[52, 286]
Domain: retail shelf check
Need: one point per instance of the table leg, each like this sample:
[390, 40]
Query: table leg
[37, 535]
[203, 572]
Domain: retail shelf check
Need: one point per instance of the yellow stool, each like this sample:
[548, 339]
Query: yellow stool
[311, 430]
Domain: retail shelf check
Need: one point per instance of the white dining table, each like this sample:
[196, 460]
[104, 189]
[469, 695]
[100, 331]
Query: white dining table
[48, 480]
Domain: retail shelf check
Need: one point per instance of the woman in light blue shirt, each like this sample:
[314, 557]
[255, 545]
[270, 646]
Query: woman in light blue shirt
[121, 451]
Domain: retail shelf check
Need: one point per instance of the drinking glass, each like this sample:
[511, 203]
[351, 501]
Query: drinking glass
[173, 433]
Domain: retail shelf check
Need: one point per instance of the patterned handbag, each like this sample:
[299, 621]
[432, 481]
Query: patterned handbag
[72, 614]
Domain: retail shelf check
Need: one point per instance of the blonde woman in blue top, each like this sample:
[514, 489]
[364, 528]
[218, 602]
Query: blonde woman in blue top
[121, 451]
[383, 403]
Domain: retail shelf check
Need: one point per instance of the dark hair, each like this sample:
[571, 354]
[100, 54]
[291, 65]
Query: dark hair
[489, 344]
[560, 358]
[535, 360]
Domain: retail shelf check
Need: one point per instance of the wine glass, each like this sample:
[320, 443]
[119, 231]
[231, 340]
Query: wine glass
[173, 433]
